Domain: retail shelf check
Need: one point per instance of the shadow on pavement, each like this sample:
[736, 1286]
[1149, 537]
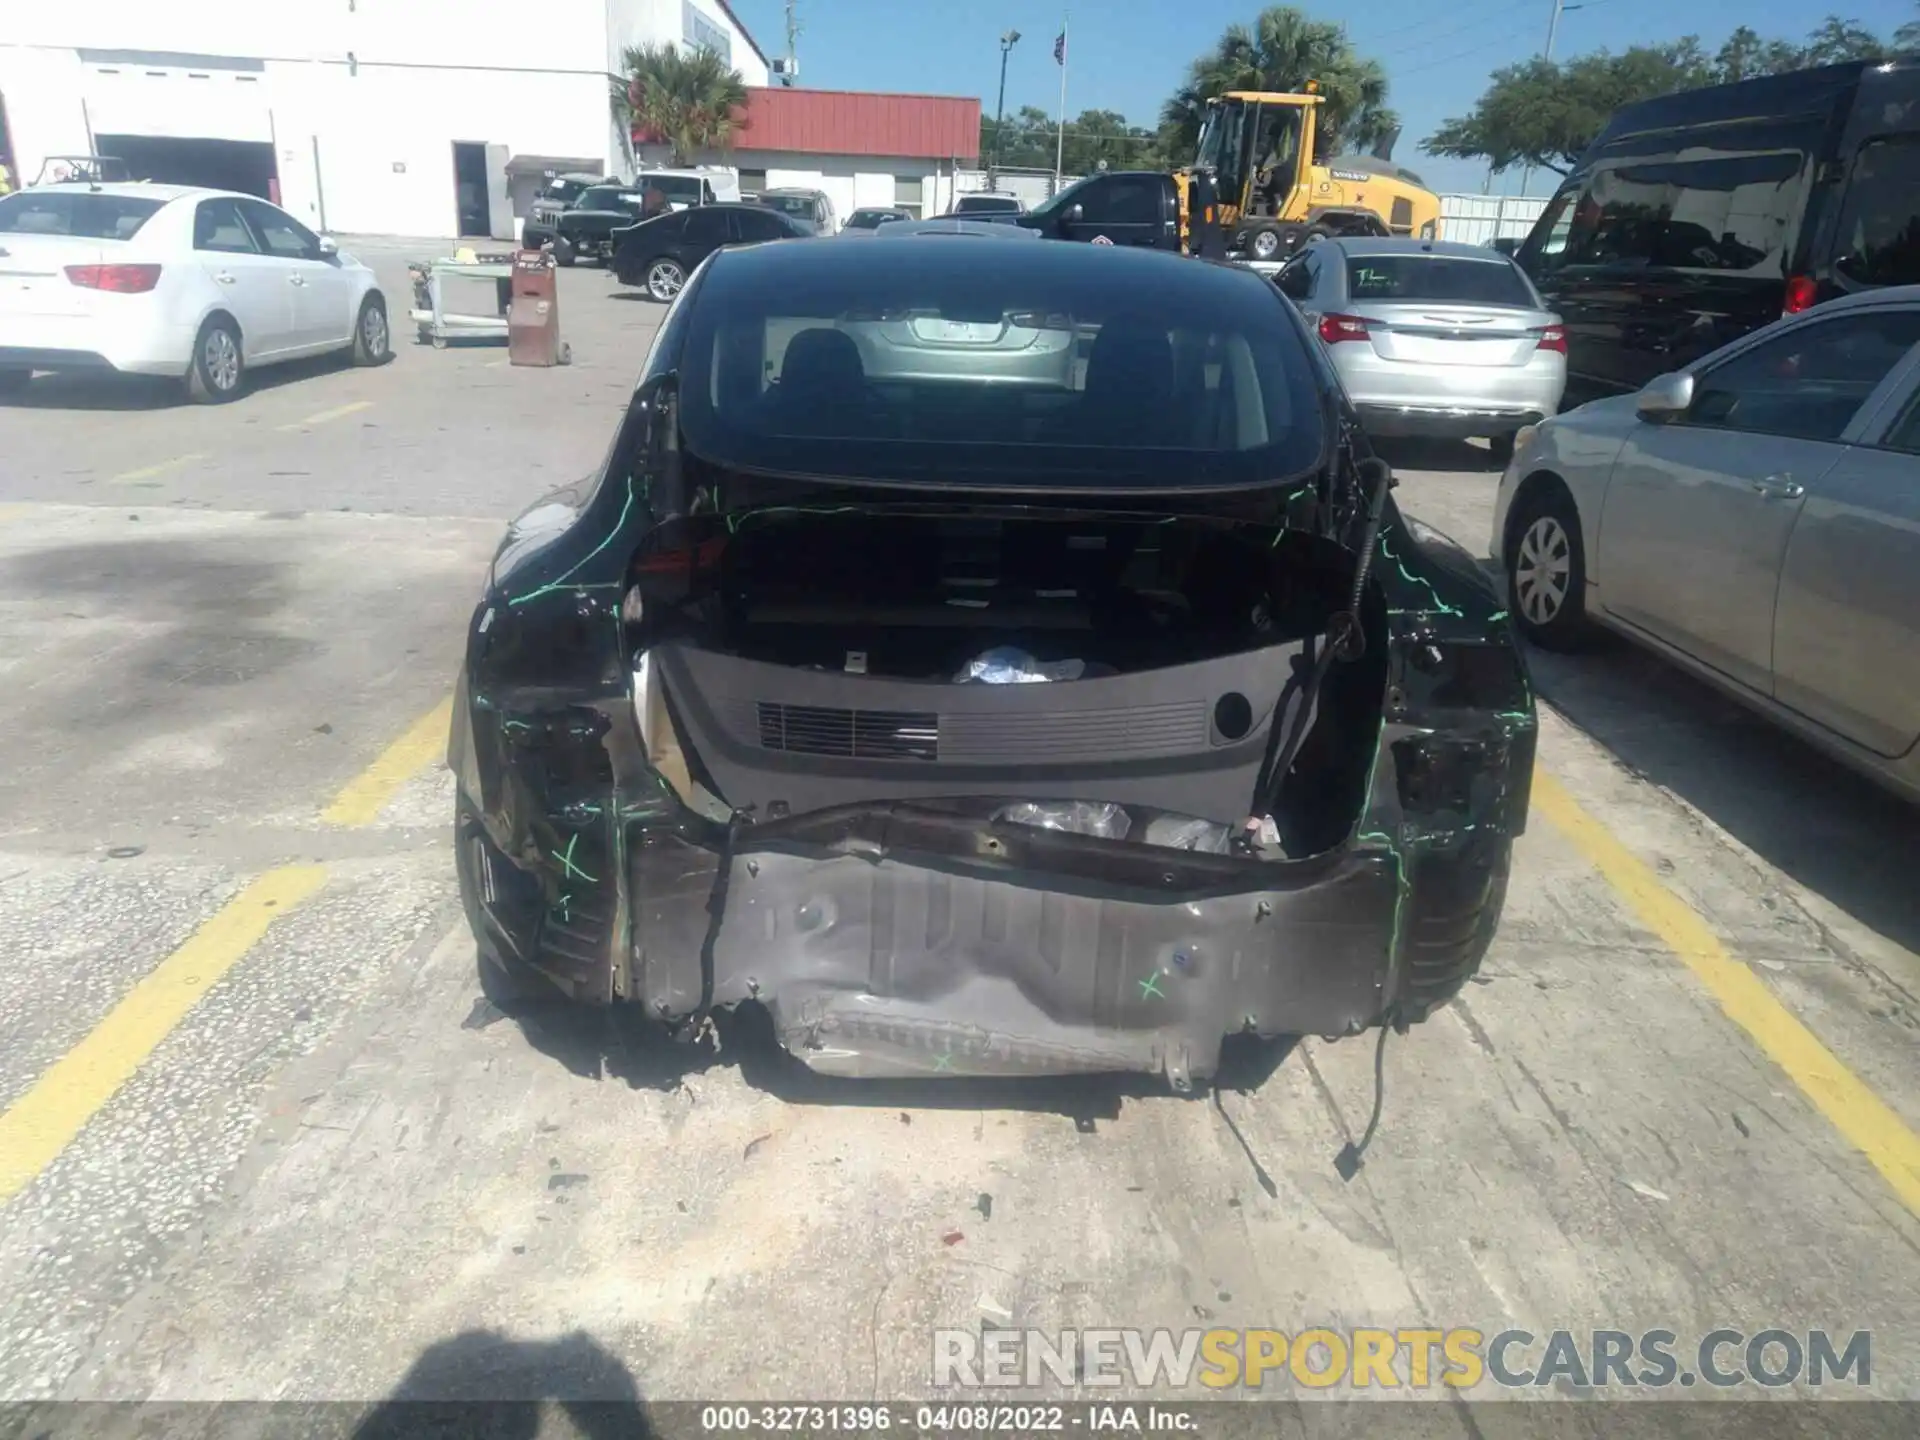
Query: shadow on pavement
[482, 1384]
[1811, 818]
[622, 1043]
[113, 391]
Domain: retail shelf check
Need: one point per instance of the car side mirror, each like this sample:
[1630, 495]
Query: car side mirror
[1665, 398]
[329, 247]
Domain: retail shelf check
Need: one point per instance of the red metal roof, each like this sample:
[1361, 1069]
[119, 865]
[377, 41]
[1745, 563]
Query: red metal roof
[859, 122]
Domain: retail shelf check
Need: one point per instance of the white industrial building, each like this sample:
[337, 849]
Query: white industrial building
[402, 117]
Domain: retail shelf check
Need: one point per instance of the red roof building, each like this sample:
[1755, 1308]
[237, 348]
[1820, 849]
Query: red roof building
[858, 122]
[860, 149]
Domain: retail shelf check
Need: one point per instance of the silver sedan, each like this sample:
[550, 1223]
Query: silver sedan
[1755, 518]
[1430, 338]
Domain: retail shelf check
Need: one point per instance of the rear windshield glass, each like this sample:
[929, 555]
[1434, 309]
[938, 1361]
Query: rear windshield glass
[674, 187]
[1050, 374]
[1434, 278]
[800, 206]
[80, 214]
[988, 202]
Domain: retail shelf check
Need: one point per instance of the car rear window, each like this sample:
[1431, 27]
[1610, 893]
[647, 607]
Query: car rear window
[799, 206]
[1047, 374]
[1438, 278]
[674, 187]
[81, 214]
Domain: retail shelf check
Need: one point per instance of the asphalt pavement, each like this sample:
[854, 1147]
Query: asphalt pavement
[259, 1139]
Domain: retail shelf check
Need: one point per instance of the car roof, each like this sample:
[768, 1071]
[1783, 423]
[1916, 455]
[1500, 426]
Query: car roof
[791, 190]
[1369, 247]
[955, 225]
[1171, 280]
[141, 189]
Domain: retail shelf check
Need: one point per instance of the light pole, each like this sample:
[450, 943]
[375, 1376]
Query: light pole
[1553, 29]
[1007, 41]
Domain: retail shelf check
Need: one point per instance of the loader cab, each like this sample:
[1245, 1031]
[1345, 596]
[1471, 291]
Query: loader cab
[1256, 146]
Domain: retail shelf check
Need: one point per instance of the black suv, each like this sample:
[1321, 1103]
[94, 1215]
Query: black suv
[1698, 217]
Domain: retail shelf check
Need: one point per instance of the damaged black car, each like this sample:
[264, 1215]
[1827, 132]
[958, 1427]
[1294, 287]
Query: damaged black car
[991, 661]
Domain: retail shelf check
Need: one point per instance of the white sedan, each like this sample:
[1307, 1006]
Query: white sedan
[172, 280]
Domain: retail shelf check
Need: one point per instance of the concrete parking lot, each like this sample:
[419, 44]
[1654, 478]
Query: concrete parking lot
[259, 1139]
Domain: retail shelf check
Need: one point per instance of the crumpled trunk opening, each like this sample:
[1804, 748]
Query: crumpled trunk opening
[1123, 678]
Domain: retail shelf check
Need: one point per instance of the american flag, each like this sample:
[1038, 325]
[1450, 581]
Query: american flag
[1060, 49]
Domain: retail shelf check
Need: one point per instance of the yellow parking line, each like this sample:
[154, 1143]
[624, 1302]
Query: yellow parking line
[148, 472]
[1854, 1110]
[324, 416]
[44, 1121]
[367, 794]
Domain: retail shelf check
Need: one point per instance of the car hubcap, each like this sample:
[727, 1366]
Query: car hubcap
[1542, 569]
[1264, 244]
[223, 361]
[664, 281]
[373, 330]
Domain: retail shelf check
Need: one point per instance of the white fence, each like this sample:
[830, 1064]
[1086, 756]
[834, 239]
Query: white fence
[1476, 219]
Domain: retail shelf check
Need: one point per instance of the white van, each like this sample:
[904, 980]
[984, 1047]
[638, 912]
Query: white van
[706, 185]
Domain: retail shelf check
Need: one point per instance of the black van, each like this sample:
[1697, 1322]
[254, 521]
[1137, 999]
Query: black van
[1697, 217]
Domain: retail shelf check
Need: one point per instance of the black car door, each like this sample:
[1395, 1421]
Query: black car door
[707, 229]
[753, 226]
[645, 243]
[1119, 210]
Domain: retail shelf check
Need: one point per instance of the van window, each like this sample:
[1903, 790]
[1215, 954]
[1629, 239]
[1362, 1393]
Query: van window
[679, 189]
[1714, 212]
[1878, 240]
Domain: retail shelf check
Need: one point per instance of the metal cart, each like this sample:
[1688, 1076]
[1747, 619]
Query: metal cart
[437, 322]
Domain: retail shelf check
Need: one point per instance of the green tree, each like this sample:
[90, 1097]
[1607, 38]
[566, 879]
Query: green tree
[1546, 114]
[1092, 136]
[688, 100]
[1282, 50]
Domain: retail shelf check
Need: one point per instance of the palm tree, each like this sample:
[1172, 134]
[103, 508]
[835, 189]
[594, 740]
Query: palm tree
[689, 100]
[1282, 50]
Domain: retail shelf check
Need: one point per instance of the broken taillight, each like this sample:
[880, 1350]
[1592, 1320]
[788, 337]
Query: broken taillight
[668, 562]
[1335, 328]
[120, 279]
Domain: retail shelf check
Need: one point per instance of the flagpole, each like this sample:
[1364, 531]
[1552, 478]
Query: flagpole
[1060, 142]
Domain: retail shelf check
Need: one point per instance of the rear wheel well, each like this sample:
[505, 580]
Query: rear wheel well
[228, 317]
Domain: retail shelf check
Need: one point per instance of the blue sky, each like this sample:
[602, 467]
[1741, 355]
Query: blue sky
[1127, 55]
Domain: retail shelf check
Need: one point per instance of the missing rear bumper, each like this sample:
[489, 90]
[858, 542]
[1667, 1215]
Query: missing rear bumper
[876, 957]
